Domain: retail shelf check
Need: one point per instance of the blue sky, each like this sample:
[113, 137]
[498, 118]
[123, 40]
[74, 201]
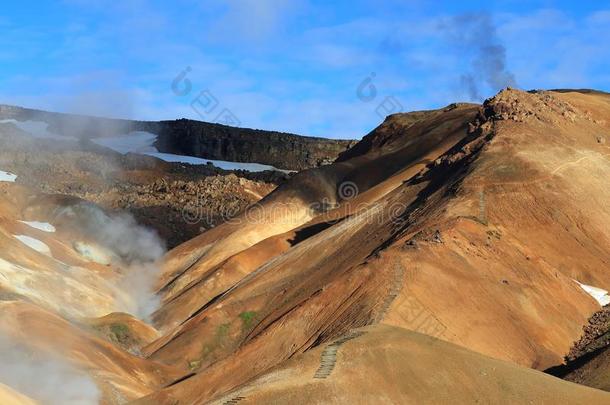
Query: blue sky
[322, 68]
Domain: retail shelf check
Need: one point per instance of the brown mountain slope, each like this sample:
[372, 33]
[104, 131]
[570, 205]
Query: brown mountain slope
[8, 396]
[383, 364]
[472, 247]
[120, 376]
[311, 193]
[470, 224]
[530, 217]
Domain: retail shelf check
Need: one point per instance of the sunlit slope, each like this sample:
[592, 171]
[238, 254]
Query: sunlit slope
[9, 396]
[478, 245]
[311, 193]
[484, 227]
[60, 335]
[391, 365]
[529, 219]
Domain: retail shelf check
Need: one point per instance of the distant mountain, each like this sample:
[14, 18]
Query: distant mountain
[197, 138]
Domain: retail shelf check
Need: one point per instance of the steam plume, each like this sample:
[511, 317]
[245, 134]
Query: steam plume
[133, 247]
[49, 380]
[475, 36]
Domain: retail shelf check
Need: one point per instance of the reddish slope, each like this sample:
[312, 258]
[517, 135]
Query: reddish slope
[302, 199]
[119, 375]
[391, 365]
[10, 397]
[473, 244]
[469, 224]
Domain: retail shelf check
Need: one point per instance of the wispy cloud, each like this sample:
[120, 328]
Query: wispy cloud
[292, 65]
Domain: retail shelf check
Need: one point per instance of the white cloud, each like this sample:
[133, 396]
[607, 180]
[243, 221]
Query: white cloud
[282, 65]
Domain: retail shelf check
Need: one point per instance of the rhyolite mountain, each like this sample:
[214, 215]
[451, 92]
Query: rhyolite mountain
[451, 256]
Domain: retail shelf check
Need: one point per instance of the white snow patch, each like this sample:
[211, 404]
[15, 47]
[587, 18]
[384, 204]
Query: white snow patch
[37, 129]
[222, 164]
[6, 176]
[600, 295]
[143, 143]
[43, 226]
[33, 243]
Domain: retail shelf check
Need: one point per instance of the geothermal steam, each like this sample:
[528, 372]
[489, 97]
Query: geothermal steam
[476, 37]
[133, 248]
[49, 380]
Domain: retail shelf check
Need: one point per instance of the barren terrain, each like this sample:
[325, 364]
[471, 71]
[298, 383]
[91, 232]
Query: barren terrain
[450, 256]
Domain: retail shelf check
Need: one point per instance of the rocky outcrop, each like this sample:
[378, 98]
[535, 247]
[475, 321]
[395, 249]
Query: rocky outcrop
[200, 139]
[178, 201]
[221, 142]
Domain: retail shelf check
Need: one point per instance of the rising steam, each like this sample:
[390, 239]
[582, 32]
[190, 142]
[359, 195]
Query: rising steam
[48, 380]
[476, 38]
[128, 245]
[114, 239]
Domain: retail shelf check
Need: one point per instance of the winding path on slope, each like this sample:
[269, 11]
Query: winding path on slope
[328, 359]
[552, 173]
[397, 284]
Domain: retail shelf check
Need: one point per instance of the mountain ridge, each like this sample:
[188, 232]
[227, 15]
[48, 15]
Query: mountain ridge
[198, 138]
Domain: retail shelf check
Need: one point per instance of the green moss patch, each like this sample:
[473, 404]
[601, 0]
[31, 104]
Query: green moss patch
[247, 319]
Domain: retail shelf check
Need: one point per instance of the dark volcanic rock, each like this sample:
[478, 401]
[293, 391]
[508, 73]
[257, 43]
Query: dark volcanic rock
[200, 139]
[221, 142]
